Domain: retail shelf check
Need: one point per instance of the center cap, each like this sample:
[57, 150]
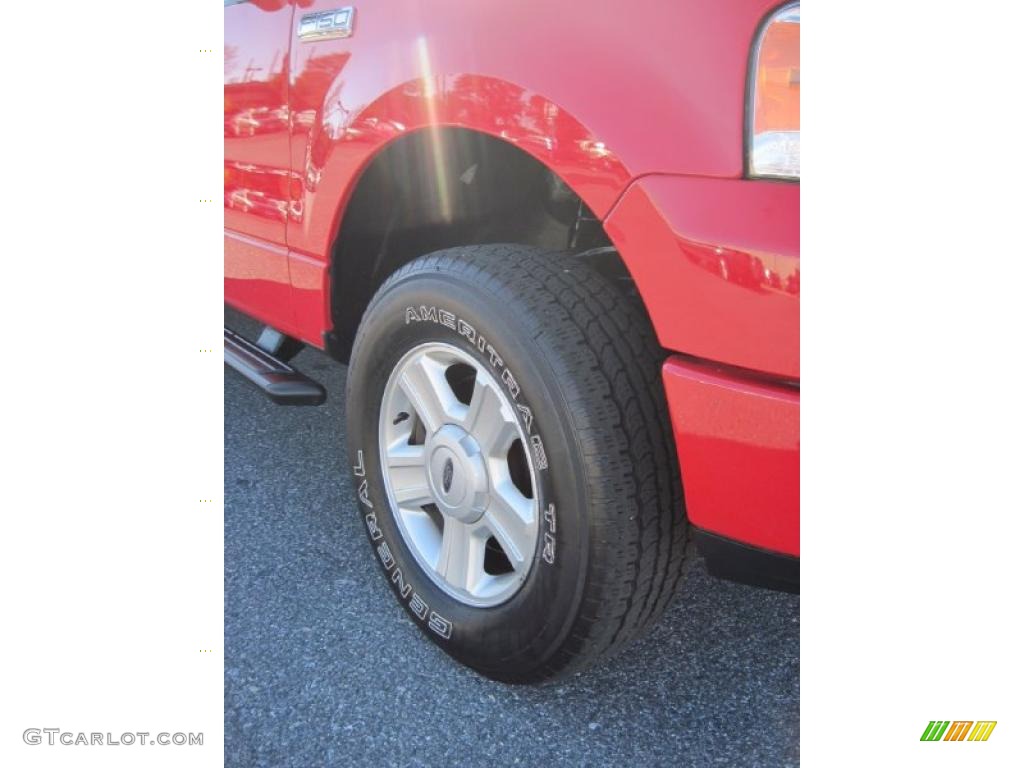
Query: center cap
[447, 476]
[457, 473]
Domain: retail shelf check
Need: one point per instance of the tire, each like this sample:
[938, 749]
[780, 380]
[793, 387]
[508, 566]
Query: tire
[579, 369]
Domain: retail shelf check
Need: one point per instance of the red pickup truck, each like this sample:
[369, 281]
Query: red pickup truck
[557, 245]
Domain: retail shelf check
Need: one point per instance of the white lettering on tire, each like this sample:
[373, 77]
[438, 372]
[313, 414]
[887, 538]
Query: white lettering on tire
[417, 606]
[440, 625]
[539, 457]
[548, 552]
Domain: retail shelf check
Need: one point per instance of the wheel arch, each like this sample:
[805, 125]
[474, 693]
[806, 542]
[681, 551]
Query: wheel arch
[410, 135]
[350, 140]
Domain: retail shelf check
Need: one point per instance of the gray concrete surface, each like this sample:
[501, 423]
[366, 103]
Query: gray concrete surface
[322, 667]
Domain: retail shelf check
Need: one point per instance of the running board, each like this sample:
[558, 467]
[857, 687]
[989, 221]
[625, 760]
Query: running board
[276, 379]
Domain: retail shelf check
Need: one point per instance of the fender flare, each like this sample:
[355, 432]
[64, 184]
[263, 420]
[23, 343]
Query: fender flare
[343, 144]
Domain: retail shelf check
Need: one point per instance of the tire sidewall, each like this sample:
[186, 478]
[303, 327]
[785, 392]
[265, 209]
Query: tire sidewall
[523, 633]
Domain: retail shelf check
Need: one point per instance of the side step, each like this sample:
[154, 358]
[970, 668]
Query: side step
[277, 380]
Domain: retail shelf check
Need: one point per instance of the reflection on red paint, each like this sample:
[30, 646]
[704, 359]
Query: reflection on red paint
[256, 125]
[754, 271]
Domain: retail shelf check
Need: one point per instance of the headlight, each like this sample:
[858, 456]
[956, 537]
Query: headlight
[773, 132]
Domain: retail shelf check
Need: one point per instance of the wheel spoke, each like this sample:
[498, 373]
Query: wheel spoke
[510, 519]
[488, 421]
[457, 562]
[402, 454]
[407, 473]
[421, 527]
[413, 495]
[423, 382]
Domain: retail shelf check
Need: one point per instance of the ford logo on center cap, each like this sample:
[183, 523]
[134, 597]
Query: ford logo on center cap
[446, 478]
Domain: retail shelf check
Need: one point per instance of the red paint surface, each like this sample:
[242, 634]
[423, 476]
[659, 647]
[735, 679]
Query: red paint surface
[256, 41]
[739, 451]
[717, 262]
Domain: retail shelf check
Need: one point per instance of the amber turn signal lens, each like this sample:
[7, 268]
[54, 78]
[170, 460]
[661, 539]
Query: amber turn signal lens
[775, 113]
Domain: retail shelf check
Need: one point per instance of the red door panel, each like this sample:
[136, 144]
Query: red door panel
[257, 35]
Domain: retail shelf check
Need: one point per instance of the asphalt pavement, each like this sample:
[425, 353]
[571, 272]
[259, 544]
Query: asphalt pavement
[322, 667]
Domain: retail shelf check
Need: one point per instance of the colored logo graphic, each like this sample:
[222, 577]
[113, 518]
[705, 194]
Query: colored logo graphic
[958, 730]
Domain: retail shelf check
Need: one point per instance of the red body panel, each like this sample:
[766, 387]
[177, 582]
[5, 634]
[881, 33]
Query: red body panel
[717, 262]
[639, 108]
[739, 449]
[256, 168]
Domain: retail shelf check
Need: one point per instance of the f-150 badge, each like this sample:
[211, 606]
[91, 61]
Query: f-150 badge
[326, 25]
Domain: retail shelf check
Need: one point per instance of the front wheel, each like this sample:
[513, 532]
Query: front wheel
[513, 458]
